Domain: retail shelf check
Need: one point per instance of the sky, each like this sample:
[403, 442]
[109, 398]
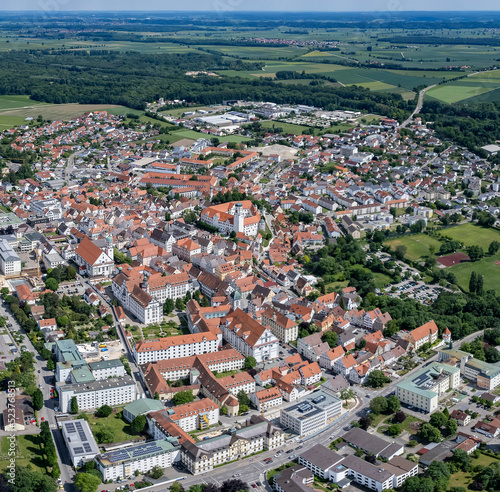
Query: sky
[259, 5]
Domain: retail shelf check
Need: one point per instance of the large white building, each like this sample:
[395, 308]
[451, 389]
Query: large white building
[94, 261]
[143, 293]
[79, 441]
[204, 455]
[249, 337]
[50, 208]
[91, 395]
[123, 463]
[175, 347]
[105, 369]
[10, 263]
[311, 413]
[233, 216]
[424, 388]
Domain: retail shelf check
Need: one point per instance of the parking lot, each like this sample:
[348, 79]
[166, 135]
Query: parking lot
[413, 289]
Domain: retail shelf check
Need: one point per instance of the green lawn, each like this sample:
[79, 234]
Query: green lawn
[195, 135]
[28, 453]
[471, 234]
[485, 266]
[417, 245]
[464, 479]
[13, 102]
[287, 127]
[335, 286]
[381, 280]
[122, 429]
[227, 373]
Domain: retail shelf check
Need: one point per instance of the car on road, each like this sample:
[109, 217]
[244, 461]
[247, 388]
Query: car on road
[254, 485]
[269, 462]
[258, 484]
[293, 456]
[237, 475]
[300, 447]
[289, 451]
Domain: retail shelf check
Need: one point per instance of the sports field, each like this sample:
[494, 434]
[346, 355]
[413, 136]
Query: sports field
[485, 266]
[417, 245]
[477, 85]
[471, 234]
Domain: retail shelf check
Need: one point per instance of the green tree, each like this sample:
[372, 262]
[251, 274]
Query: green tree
[394, 430]
[50, 365]
[439, 473]
[473, 282]
[331, 338]
[438, 419]
[85, 482]
[250, 362]
[451, 427]
[183, 397]
[176, 487]
[104, 411]
[139, 423]
[379, 405]
[37, 400]
[347, 394]
[74, 405]
[461, 459]
[157, 473]
[168, 306]
[377, 379]
[71, 273]
[104, 435]
[156, 396]
[430, 433]
[393, 404]
[243, 398]
[475, 252]
[480, 285]
[179, 304]
[493, 247]
[51, 284]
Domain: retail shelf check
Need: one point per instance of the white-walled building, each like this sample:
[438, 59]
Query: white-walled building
[123, 463]
[266, 399]
[94, 261]
[105, 369]
[112, 392]
[10, 263]
[79, 441]
[311, 413]
[249, 337]
[233, 216]
[175, 347]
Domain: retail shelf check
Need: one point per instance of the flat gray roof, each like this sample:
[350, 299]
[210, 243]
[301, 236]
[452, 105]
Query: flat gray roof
[79, 438]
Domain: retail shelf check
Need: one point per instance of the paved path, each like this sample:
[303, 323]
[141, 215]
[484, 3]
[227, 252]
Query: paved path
[419, 105]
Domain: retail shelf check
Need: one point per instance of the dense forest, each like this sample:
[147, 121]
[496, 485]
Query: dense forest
[469, 125]
[132, 79]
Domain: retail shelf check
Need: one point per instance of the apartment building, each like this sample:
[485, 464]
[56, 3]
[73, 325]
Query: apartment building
[185, 249]
[123, 463]
[311, 413]
[266, 399]
[50, 208]
[424, 388]
[200, 414]
[249, 337]
[10, 263]
[233, 216]
[204, 455]
[175, 347]
[105, 369]
[483, 374]
[286, 329]
[95, 394]
[311, 347]
[426, 333]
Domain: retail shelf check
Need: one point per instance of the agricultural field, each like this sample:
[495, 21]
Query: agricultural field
[417, 245]
[257, 52]
[482, 85]
[195, 135]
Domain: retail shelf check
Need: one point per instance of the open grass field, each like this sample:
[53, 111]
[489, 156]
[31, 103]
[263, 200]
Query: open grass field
[13, 102]
[417, 245]
[381, 280]
[257, 52]
[475, 86]
[28, 453]
[195, 135]
[471, 234]
[57, 111]
[121, 429]
[464, 479]
[485, 266]
[287, 127]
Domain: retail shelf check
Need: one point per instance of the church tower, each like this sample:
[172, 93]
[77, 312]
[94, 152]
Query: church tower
[239, 218]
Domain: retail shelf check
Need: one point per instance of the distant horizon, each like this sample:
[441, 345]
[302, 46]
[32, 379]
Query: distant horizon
[233, 6]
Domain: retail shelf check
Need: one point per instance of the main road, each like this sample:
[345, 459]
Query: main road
[420, 103]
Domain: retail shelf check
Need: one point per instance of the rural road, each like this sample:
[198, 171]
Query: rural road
[421, 95]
